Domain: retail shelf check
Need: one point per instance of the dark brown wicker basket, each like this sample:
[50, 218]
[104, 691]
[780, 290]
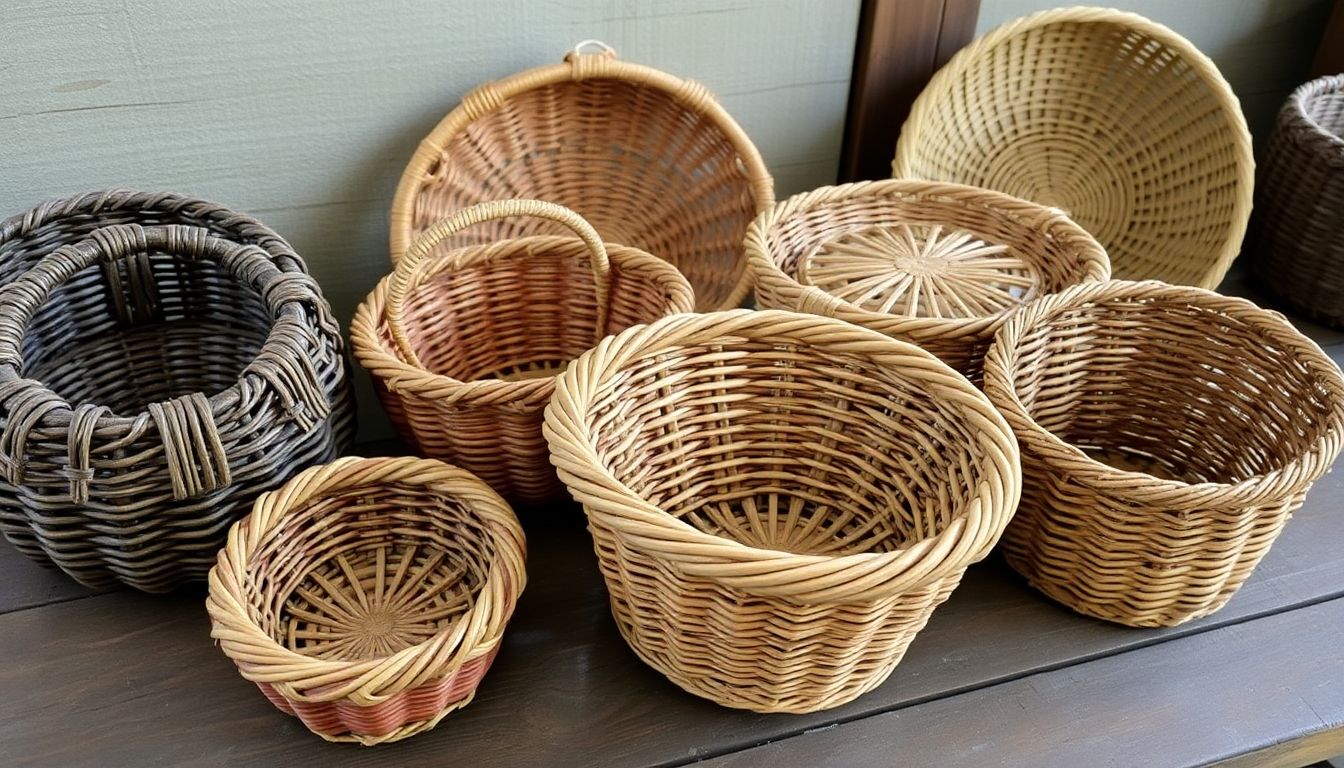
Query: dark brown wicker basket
[154, 381]
[1298, 225]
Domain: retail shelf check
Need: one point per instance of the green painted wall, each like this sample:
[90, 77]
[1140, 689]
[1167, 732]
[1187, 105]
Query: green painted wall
[304, 113]
[1263, 47]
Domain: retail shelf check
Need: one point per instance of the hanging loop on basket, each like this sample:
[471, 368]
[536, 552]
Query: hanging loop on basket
[415, 264]
[584, 64]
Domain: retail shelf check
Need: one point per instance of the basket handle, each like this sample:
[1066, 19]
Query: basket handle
[414, 265]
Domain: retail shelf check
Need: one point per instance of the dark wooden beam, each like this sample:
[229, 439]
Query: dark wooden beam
[901, 43]
[1330, 54]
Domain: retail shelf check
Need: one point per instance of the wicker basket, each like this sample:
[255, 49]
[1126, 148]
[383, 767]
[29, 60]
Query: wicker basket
[778, 501]
[941, 265]
[1298, 240]
[463, 348]
[153, 382]
[652, 161]
[368, 597]
[1167, 434]
[1113, 118]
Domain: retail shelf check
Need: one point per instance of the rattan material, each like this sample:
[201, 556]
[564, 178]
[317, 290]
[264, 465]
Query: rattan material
[368, 597]
[651, 160]
[1115, 119]
[941, 265]
[464, 346]
[154, 381]
[1298, 240]
[1167, 434]
[778, 501]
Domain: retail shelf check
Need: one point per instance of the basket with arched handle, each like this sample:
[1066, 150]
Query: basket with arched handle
[464, 343]
[650, 160]
[153, 381]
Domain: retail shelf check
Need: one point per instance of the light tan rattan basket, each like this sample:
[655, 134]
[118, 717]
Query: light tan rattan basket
[463, 346]
[941, 265]
[368, 597]
[1117, 120]
[778, 500]
[650, 160]
[1167, 434]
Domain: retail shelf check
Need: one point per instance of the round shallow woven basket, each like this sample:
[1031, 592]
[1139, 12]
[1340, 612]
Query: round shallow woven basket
[778, 501]
[650, 160]
[463, 346]
[1167, 434]
[941, 265]
[1298, 240]
[368, 597]
[1115, 119]
[153, 382]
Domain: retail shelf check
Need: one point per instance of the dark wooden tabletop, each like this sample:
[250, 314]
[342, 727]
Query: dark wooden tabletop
[1000, 676]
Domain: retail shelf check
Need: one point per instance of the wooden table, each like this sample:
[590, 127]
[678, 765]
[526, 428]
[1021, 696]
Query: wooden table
[1001, 676]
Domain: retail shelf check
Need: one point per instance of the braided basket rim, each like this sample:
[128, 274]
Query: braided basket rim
[1298, 125]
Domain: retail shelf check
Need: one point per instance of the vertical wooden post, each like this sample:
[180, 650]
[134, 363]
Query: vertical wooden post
[1330, 54]
[901, 44]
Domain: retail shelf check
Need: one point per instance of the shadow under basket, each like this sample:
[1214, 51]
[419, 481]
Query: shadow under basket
[778, 501]
[368, 597]
[1167, 435]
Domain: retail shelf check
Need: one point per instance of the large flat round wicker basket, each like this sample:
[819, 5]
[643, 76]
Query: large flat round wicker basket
[1117, 120]
[650, 160]
[778, 501]
[1167, 434]
[941, 265]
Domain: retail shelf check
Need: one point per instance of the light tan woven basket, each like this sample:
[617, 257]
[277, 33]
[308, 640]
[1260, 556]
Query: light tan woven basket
[778, 501]
[1117, 120]
[368, 597]
[1167, 434]
[463, 346]
[650, 160]
[941, 265]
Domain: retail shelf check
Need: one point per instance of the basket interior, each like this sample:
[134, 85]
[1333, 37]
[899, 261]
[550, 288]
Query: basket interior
[366, 572]
[1113, 126]
[925, 256]
[641, 167]
[788, 447]
[1326, 110]
[526, 312]
[1176, 391]
[131, 334]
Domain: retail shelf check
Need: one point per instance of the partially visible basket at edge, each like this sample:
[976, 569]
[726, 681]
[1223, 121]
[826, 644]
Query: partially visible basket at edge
[650, 160]
[368, 597]
[778, 501]
[1297, 246]
[1117, 120]
[153, 381]
[463, 345]
[1167, 435]
[941, 265]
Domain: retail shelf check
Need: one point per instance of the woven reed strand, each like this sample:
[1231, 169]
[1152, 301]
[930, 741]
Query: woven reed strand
[491, 325]
[1167, 434]
[1114, 118]
[651, 160]
[1298, 226]
[368, 597]
[1052, 252]
[154, 381]
[778, 501]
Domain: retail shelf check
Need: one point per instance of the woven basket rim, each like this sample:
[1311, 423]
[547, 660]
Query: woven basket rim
[569, 436]
[999, 386]
[220, 401]
[1230, 106]
[1295, 114]
[231, 619]
[401, 376]
[576, 67]
[1048, 220]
